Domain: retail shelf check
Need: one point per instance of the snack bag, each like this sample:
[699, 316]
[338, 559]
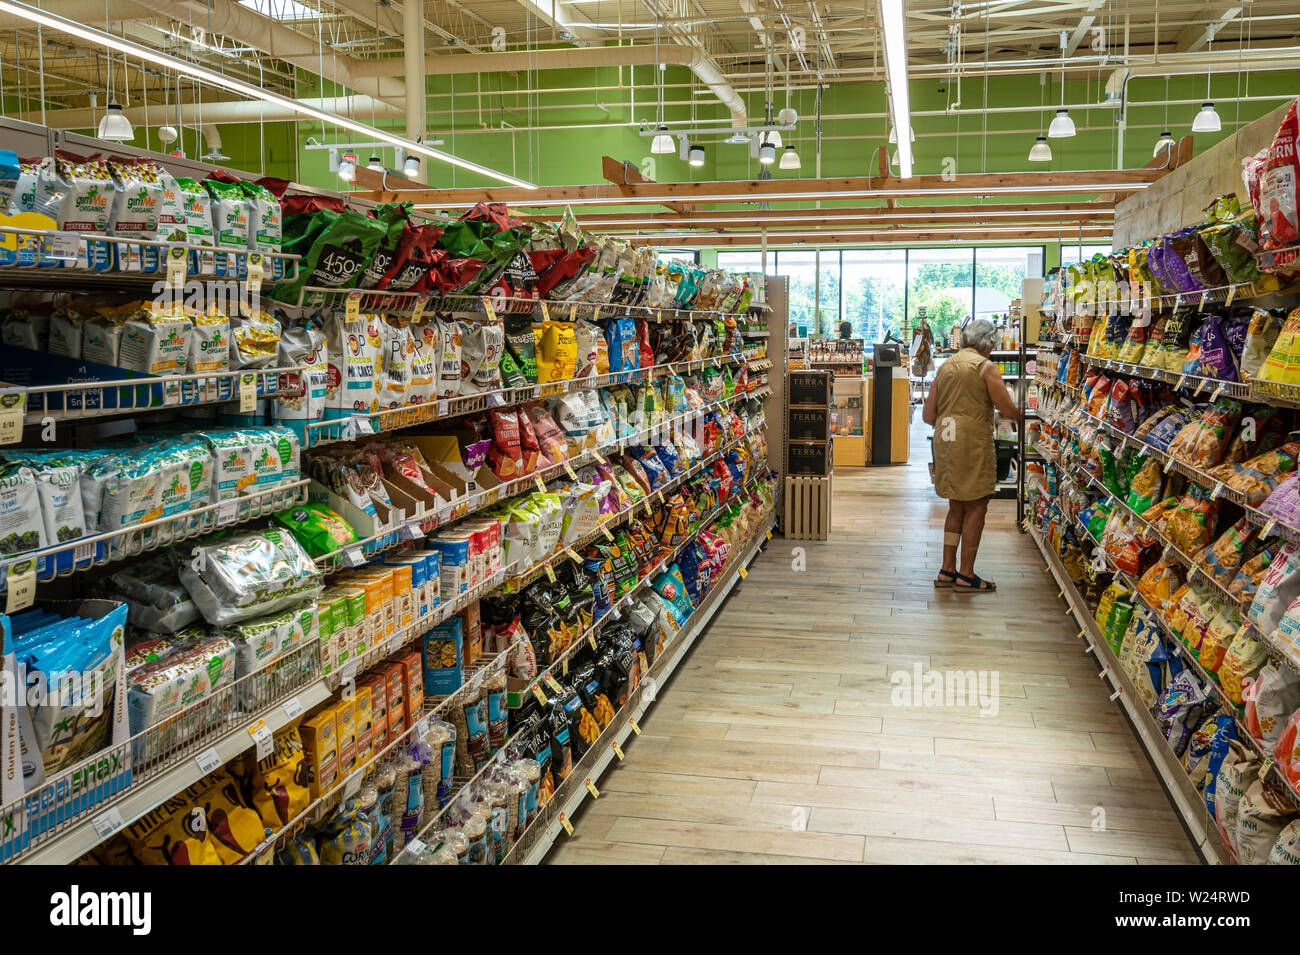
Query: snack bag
[1278, 186]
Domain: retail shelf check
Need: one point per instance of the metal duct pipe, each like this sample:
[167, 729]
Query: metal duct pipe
[232, 111]
[520, 62]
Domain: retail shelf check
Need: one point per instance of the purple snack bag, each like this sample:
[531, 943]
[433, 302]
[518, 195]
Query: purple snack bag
[1216, 355]
[1283, 504]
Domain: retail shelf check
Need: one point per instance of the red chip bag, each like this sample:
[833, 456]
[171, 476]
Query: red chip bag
[550, 438]
[449, 276]
[505, 456]
[644, 349]
[723, 474]
[531, 451]
[1279, 224]
[417, 253]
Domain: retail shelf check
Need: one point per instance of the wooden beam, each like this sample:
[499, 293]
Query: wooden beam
[625, 174]
[791, 190]
[882, 155]
[1011, 212]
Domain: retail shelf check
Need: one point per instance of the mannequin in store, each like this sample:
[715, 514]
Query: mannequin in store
[960, 406]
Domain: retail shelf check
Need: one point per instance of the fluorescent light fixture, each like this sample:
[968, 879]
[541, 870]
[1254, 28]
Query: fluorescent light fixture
[892, 26]
[347, 167]
[411, 167]
[1164, 142]
[115, 125]
[158, 58]
[1207, 120]
[1062, 126]
[281, 9]
[375, 163]
[697, 155]
[662, 144]
[790, 158]
[1040, 151]
[800, 217]
[766, 154]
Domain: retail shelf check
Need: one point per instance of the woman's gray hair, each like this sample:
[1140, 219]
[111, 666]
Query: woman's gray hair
[980, 335]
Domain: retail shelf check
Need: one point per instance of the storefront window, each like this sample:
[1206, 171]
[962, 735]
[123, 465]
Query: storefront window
[998, 274]
[1073, 252]
[874, 284]
[942, 282]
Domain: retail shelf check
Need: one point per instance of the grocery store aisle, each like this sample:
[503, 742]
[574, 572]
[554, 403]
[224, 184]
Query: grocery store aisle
[778, 742]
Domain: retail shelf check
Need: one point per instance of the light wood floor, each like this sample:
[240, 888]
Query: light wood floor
[777, 741]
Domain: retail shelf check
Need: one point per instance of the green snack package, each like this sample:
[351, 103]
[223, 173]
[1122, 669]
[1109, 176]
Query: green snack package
[521, 345]
[393, 216]
[1120, 615]
[511, 376]
[319, 529]
[335, 249]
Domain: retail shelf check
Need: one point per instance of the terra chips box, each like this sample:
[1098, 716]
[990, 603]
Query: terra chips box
[364, 720]
[377, 688]
[345, 726]
[413, 676]
[319, 751]
[395, 684]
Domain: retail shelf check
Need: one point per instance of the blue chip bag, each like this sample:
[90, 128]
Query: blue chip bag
[672, 461]
[690, 562]
[671, 586]
[653, 466]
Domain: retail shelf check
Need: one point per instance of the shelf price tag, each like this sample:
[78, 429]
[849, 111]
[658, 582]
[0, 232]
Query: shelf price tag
[359, 425]
[418, 310]
[591, 638]
[177, 256]
[600, 459]
[564, 821]
[635, 729]
[62, 245]
[208, 760]
[537, 479]
[553, 683]
[13, 411]
[1218, 490]
[256, 272]
[1204, 296]
[572, 555]
[1268, 528]
[541, 697]
[261, 734]
[1181, 382]
[569, 469]
[107, 822]
[591, 788]
[546, 312]
[352, 306]
[489, 308]
[769, 533]
[605, 531]
[352, 557]
[618, 750]
[550, 572]
[1232, 293]
[743, 572]
[292, 707]
[20, 586]
[247, 394]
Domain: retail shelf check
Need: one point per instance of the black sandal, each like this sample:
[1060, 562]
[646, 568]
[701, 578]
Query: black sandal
[973, 584]
[945, 578]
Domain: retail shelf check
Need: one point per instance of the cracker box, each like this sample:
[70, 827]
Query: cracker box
[319, 751]
[443, 651]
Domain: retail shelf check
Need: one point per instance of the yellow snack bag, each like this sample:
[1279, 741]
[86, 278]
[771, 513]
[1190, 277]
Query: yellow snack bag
[557, 351]
[1283, 362]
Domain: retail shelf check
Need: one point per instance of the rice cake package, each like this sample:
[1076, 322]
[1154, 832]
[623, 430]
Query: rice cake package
[398, 345]
[355, 364]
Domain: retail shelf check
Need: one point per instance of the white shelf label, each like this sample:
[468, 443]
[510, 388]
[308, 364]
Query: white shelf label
[107, 822]
[62, 245]
[13, 410]
[415, 847]
[293, 707]
[208, 760]
[261, 734]
[256, 272]
[359, 425]
[20, 584]
[353, 785]
[227, 511]
[353, 557]
[247, 394]
[177, 257]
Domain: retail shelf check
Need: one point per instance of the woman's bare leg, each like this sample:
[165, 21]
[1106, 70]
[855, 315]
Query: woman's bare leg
[952, 525]
[972, 528]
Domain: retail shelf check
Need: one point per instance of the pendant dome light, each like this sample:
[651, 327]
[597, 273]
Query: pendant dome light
[790, 158]
[1062, 126]
[662, 144]
[766, 153]
[1166, 137]
[114, 126]
[697, 155]
[1207, 120]
[1040, 151]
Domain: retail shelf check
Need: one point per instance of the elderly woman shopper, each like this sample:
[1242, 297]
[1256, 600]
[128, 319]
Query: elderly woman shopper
[960, 406]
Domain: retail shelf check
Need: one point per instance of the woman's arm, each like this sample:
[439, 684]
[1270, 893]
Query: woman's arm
[930, 411]
[998, 393]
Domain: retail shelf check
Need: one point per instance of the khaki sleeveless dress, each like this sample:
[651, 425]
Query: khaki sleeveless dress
[965, 465]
